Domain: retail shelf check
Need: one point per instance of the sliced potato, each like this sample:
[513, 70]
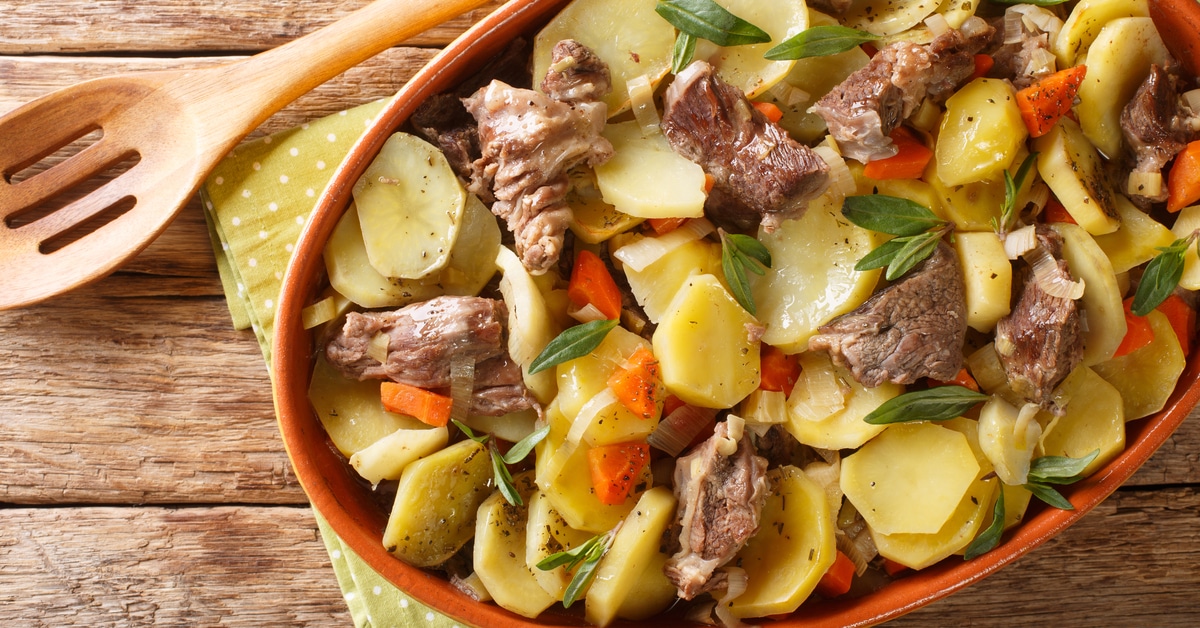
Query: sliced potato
[436, 501]
[918, 551]
[911, 478]
[1136, 241]
[634, 548]
[547, 533]
[1117, 64]
[627, 34]
[655, 593]
[655, 286]
[1084, 24]
[410, 207]
[812, 278]
[888, 17]
[351, 411]
[1006, 442]
[1146, 377]
[530, 325]
[1186, 223]
[511, 427]
[915, 190]
[646, 178]
[1073, 169]
[705, 320]
[1094, 419]
[472, 263]
[981, 132]
[987, 275]
[745, 66]
[593, 220]
[1101, 296]
[499, 553]
[386, 458]
[827, 405]
[352, 275]
[793, 548]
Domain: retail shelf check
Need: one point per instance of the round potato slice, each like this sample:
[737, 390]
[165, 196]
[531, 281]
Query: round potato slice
[888, 17]
[745, 66]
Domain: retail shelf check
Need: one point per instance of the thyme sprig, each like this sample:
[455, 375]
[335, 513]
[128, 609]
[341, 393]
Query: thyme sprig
[581, 561]
[1012, 185]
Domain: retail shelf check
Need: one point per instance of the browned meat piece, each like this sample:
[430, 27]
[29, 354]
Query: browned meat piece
[762, 175]
[1156, 126]
[576, 74]
[869, 104]
[781, 449]
[422, 340]
[911, 329]
[1027, 56]
[1038, 342]
[720, 499]
[529, 141]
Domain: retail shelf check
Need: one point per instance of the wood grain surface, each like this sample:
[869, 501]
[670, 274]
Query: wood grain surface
[142, 479]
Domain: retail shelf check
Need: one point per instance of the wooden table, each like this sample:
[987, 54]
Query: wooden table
[142, 480]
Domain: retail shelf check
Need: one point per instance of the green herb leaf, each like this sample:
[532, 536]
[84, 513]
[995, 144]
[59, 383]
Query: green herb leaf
[940, 403]
[1047, 494]
[1161, 276]
[819, 41]
[882, 255]
[586, 556]
[571, 557]
[915, 250]
[989, 538]
[575, 342]
[1059, 469]
[504, 479]
[740, 253]
[526, 445]
[481, 438]
[683, 53]
[1012, 185]
[708, 20]
[583, 577]
[890, 214]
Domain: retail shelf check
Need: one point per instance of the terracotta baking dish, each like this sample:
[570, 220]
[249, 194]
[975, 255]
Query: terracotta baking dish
[353, 513]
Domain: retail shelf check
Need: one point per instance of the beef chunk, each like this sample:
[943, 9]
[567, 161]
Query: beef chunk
[1038, 342]
[869, 104]
[720, 499]
[1156, 126]
[911, 329]
[576, 74]
[422, 340]
[761, 174]
[1026, 56]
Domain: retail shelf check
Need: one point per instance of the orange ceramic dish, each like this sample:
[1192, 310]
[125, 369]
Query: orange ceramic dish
[352, 511]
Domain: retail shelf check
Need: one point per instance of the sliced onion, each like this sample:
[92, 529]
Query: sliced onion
[1039, 195]
[588, 413]
[462, 386]
[641, 97]
[472, 586]
[318, 313]
[764, 408]
[377, 348]
[858, 547]
[819, 393]
[1192, 99]
[1050, 278]
[1038, 19]
[841, 181]
[1144, 184]
[937, 24]
[1014, 28]
[1041, 62]
[675, 432]
[828, 477]
[586, 314]
[641, 253]
[736, 583]
[789, 95]
[1020, 242]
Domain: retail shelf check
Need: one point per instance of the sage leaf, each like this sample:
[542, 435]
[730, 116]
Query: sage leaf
[575, 342]
[526, 445]
[881, 255]
[890, 214]
[1060, 469]
[504, 479]
[914, 251]
[940, 403]
[571, 557]
[708, 20]
[1161, 277]
[1012, 185]
[683, 53]
[740, 253]
[989, 538]
[481, 438]
[819, 41]
[1047, 494]
[750, 247]
[582, 560]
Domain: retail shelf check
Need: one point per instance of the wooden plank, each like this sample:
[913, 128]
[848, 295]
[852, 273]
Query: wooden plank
[181, 27]
[234, 566]
[253, 566]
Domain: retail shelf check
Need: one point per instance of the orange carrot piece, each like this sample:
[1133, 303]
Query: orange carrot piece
[638, 384]
[837, 580]
[892, 567]
[1049, 98]
[671, 404]
[709, 182]
[615, 469]
[592, 283]
[1138, 332]
[768, 109]
[1176, 22]
[909, 163]
[1183, 320]
[779, 371]
[983, 65]
[1056, 212]
[1183, 181]
[963, 378]
[663, 226]
[425, 406]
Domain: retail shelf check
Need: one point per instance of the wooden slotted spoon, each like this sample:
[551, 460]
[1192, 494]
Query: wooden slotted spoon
[177, 125]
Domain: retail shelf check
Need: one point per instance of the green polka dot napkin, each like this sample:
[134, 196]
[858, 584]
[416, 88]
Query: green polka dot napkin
[256, 202]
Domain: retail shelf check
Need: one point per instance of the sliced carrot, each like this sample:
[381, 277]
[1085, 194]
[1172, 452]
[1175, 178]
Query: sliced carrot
[1183, 319]
[983, 65]
[1138, 332]
[779, 370]
[709, 182]
[963, 378]
[1056, 212]
[615, 469]
[1183, 181]
[1175, 21]
[592, 283]
[425, 406]
[1049, 98]
[663, 226]
[837, 580]
[638, 384]
[892, 567]
[671, 404]
[768, 109]
[909, 163]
